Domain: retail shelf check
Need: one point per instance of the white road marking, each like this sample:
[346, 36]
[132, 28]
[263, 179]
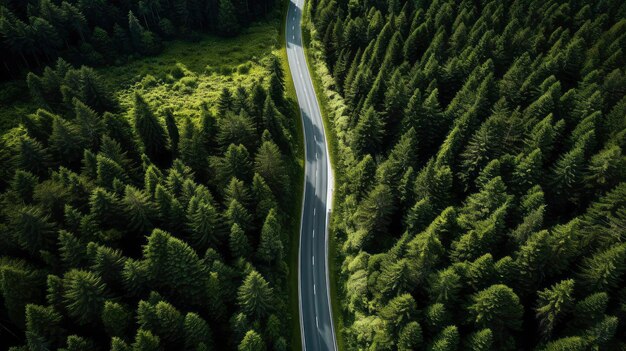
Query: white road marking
[313, 260]
[317, 323]
[314, 215]
[314, 232]
[314, 290]
[293, 37]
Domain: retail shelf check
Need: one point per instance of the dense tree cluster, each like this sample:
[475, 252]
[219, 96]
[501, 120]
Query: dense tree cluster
[482, 172]
[33, 33]
[132, 230]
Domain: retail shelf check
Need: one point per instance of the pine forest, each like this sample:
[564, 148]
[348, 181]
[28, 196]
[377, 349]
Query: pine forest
[153, 156]
[480, 147]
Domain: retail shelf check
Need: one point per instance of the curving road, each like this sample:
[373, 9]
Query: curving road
[316, 322]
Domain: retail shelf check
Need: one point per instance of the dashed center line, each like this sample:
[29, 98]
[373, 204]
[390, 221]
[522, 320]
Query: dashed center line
[313, 258]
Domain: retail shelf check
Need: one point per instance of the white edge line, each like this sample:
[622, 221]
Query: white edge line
[331, 181]
[302, 339]
[329, 203]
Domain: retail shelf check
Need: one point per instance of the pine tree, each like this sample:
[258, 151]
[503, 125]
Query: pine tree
[238, 242]
[32, 156]
[445, 287]
[172, 131]
[447, 340]
[374, 212]
[271, 250]
[23, 184]
[252, 341]
[263, 197]
[73, 252]
[268, 163]
[481, 340]
[43, 323]
[227, 22]
[150, 131]
[65, 141]
[176, 269]
[162, 319]
[146, 341]
[84, 295]
[410, 337]
[225, 102]
[196, 331]
[367, 135]
[399, 312]
[497, 308]
[603, 269]
[236, 129]
[32, 229]
[553, 303]
[116, 318]
[19, 285]
[138, 209]
[205, 226]
[89, 124]
[255, 296]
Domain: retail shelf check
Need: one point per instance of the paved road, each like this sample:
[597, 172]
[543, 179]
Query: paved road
[316, 323]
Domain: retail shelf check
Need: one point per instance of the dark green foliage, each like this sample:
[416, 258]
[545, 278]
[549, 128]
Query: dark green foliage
[251, 342]
[255, 296]
[120, 230]
[116, 318]
[84, 295]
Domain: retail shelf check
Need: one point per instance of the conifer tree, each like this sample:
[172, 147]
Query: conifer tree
[252, 341]
[497, 308]
[84, 296]
[255, 296]
[268, 164]
[116, 318]
[238, 242]
[150, 131]
[271, 250]
[553, 303]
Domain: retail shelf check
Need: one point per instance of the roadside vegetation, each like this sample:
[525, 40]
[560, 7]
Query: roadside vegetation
[147, 203]
[481, 171]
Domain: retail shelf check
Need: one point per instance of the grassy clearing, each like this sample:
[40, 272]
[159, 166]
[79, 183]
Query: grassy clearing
[184, 76]
[188, 74]
[331, 106]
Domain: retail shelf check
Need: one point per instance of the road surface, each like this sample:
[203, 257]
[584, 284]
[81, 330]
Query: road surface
[316, 322]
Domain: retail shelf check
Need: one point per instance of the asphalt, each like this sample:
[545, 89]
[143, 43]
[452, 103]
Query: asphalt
[316, 322]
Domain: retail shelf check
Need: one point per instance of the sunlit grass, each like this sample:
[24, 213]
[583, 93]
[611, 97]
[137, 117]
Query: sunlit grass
[189, 74]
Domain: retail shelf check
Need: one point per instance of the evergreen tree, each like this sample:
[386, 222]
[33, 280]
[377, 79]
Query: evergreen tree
[116, 318]
[84, 296]
[367, 135]
[255, 296]
[252, 341]
[553, 304]
[227, 22]
[497, 308]
[271, 250]
[150, 132]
